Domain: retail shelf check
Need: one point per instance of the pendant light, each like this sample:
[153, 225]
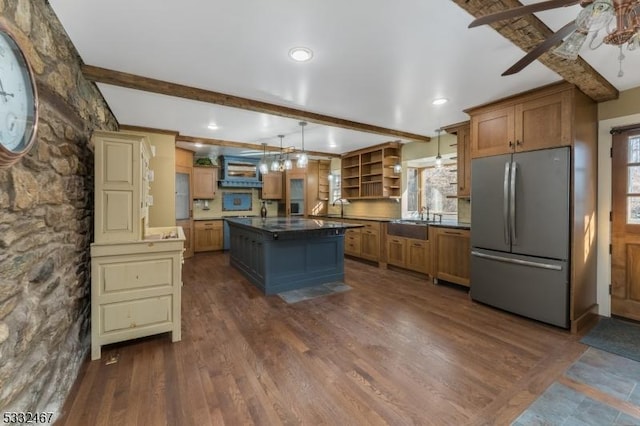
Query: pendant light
[303, 159]
[276, 165]
[263, 166]
[439, 157]
[287, 164]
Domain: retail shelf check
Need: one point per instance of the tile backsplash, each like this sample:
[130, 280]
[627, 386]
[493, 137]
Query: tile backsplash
[214, 209]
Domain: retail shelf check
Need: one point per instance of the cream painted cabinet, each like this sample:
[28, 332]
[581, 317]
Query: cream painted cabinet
[121, 186]
[135, 270]
[136, 288]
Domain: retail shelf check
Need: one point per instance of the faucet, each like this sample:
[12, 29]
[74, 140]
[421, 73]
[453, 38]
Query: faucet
[422, 212]
[342, 200]
[439, 217]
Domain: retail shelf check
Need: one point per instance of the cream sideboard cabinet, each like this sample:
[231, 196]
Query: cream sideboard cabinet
[136, 271]
[121, 186]
[136, 288]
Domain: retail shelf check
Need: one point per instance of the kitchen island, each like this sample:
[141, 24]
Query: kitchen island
[280, 254]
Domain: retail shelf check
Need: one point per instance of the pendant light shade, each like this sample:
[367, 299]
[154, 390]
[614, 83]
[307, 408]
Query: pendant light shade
[303, 159]
[278, 164]
[263, 166]
[439, 157]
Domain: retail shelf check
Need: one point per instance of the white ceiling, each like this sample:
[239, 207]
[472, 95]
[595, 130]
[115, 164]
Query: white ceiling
[379, 62]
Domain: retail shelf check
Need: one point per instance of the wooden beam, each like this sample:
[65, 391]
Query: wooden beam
[245, 145]
[528, 31]
[131, 81]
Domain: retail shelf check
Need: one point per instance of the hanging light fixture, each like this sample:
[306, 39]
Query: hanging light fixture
[303, 159]
[439, 157]
[397, 168]
[287, 164]
[277, 164]
[262, 165]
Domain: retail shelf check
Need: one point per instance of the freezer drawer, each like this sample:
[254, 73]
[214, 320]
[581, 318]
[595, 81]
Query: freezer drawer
[529, 286]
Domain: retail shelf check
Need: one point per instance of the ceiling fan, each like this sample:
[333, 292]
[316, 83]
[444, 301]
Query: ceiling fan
[596, 15]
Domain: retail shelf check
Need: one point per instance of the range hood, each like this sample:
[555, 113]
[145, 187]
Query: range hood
[239, 172]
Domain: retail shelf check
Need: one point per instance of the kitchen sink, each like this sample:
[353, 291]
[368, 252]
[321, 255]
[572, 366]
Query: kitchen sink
[416, 229]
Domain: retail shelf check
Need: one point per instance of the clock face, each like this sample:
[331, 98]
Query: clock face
[17, 98]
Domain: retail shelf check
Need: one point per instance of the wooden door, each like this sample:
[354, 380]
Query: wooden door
[396, 250]
[295, 193]
[204, 182]
[625, 235]
[418, 256]
[370, 244]
[543, 122]
[453, 255]
[493, 132]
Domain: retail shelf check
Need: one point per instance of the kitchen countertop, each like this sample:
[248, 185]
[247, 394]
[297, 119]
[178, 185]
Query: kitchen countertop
[375, 219]
[451, 224]
[286, 224]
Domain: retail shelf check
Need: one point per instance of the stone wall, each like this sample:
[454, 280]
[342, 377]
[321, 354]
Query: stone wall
[46, 222]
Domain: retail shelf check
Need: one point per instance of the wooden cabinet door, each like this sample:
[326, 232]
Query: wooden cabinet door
[543, 122]
[187, 228]
[464, 161]
[272, 186]
[493, 132]
[418, 256]
[452, 254]
[295, 193]
[204, 182]
[208, 235]
[396, 251]
[370, 244]
[352, 242]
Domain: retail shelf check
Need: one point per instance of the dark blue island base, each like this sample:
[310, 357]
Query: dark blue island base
[281, 254]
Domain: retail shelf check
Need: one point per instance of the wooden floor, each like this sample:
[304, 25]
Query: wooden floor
[393, 350]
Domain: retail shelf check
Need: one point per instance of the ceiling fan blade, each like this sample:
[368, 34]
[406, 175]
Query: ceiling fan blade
[522, 10]
[541, 48]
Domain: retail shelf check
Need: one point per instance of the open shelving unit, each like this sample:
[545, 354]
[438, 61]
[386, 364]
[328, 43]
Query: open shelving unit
[370, 173]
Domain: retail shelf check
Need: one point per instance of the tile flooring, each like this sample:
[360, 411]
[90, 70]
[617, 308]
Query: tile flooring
[599, 389]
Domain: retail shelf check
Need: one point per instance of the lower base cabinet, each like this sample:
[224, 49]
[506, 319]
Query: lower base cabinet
[363, 242]
[208, 235]
[136, 288]
[409, 253]
[451, 255]
[187, 227]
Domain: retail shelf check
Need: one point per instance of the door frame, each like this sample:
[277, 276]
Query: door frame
[604, 207]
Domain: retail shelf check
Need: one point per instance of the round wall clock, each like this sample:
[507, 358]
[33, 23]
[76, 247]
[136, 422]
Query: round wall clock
[18, 101]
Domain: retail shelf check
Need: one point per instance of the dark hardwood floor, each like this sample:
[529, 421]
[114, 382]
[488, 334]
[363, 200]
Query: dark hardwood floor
[393, 350]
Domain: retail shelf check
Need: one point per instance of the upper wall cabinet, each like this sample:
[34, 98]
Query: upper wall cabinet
[205, 182]
[534, 120]
[463, 145]
[370, 173]
[121, 186]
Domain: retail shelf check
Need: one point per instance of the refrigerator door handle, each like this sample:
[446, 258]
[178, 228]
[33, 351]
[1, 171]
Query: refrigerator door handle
[512, 201]
[517, 261]
[505, 202]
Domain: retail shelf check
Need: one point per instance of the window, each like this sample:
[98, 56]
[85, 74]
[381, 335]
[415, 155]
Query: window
[633, 181]
[428, 188]
[335, 186]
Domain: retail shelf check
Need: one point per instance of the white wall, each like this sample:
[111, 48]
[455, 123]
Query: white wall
[604, 207]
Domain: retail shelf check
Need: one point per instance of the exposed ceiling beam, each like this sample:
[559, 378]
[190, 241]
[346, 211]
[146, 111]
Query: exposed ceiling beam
[527, 32]
[131, 81]
[245, 145]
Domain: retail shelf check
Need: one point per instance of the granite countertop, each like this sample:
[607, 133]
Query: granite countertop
[347, 217]
[450, 224]
[289, 224]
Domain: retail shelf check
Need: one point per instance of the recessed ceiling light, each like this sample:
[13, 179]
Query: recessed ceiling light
[440, 101]
[213, 126]
[198, 145]
[300, 54]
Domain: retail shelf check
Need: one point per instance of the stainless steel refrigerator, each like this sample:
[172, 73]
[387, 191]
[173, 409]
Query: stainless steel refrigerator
[520, 233]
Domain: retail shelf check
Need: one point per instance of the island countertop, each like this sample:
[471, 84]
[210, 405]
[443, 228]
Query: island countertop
[290, 224]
